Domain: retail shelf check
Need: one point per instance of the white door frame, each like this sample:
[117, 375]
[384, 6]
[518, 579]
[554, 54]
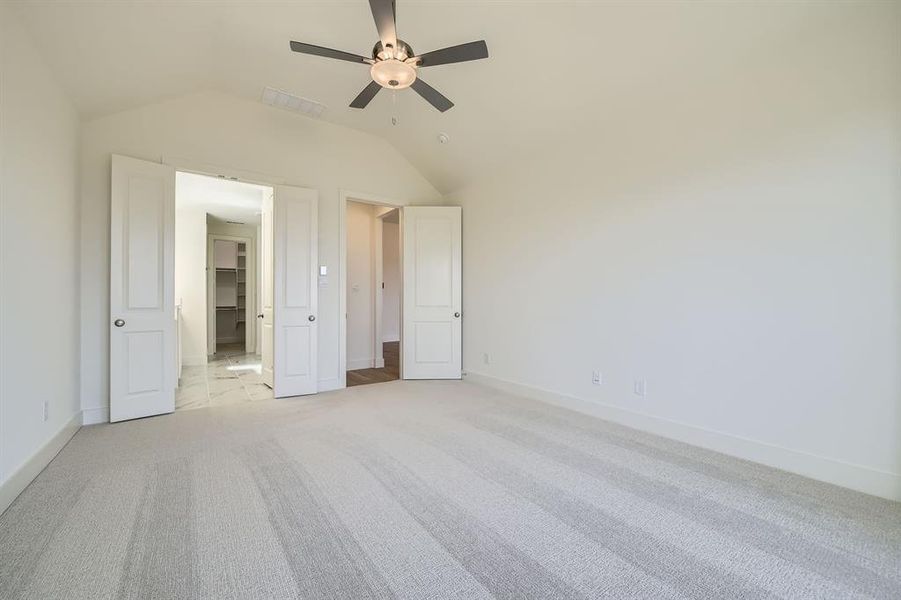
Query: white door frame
[250, 291]
[378, 291]
[363, 198]
[188, 165]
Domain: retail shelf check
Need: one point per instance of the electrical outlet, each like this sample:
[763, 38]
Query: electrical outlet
[46, 411]
[640, 387]
[596, 378]
[486, 359]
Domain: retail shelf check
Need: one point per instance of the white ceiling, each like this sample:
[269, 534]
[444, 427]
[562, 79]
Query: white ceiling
[225, 200]
[555, 67]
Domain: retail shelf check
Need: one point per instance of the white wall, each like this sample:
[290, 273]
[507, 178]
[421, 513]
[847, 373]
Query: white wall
[391, 277]
[216, 226]
[39, 216]
[360, 276]
[737, 247]
[238, 134]
[191, 280]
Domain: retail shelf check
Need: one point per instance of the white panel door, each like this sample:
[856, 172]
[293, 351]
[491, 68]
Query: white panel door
[295, 246]
[266, 312]
[433, 293]
[142, 276]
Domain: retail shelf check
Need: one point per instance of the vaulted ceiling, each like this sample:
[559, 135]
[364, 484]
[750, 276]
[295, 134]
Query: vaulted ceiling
[555, 67]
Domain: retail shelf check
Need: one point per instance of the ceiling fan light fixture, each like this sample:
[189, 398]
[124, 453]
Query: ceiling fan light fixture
[394, 64]
[393, 74]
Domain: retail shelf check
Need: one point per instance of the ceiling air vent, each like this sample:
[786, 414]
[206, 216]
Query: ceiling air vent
[280, 99]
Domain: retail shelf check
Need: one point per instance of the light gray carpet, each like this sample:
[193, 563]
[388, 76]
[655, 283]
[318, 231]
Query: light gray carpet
[429, 490]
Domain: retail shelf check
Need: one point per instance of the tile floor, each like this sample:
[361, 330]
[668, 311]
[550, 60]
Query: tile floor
[230, 377]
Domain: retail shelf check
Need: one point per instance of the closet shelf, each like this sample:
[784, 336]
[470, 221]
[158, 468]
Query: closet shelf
[230, 260]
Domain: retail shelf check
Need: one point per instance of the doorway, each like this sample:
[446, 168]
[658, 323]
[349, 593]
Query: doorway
[148, 335]
[373, 293]
[217, 291]
[231, 290]
[156, 334]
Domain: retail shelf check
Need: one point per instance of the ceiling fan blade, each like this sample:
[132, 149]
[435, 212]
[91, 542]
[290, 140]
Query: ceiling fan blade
[327, 52]
[454, 54]
[364, 97]
[431, 95]
[385, 21]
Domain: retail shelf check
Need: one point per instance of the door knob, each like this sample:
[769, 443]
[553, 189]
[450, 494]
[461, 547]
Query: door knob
[119, 322]
[456, 315]
[260, 316]
[311, 318]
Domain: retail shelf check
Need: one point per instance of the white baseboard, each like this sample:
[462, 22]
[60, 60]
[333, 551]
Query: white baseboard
[25, 474]
[359, 363]
[379, 363]
[93, 416]
[856, 477]
[193, 361]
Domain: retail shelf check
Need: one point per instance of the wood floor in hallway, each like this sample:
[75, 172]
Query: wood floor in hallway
[390, 372]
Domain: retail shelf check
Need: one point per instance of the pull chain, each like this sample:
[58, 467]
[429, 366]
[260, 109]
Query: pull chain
[394, 107]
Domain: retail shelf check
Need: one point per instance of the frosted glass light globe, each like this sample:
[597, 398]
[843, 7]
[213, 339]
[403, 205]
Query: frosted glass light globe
[393, 74]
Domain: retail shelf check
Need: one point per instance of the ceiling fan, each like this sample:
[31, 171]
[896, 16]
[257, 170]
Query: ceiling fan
[394, 65]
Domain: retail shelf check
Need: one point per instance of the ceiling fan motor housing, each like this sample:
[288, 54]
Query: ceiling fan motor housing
[402, 51]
